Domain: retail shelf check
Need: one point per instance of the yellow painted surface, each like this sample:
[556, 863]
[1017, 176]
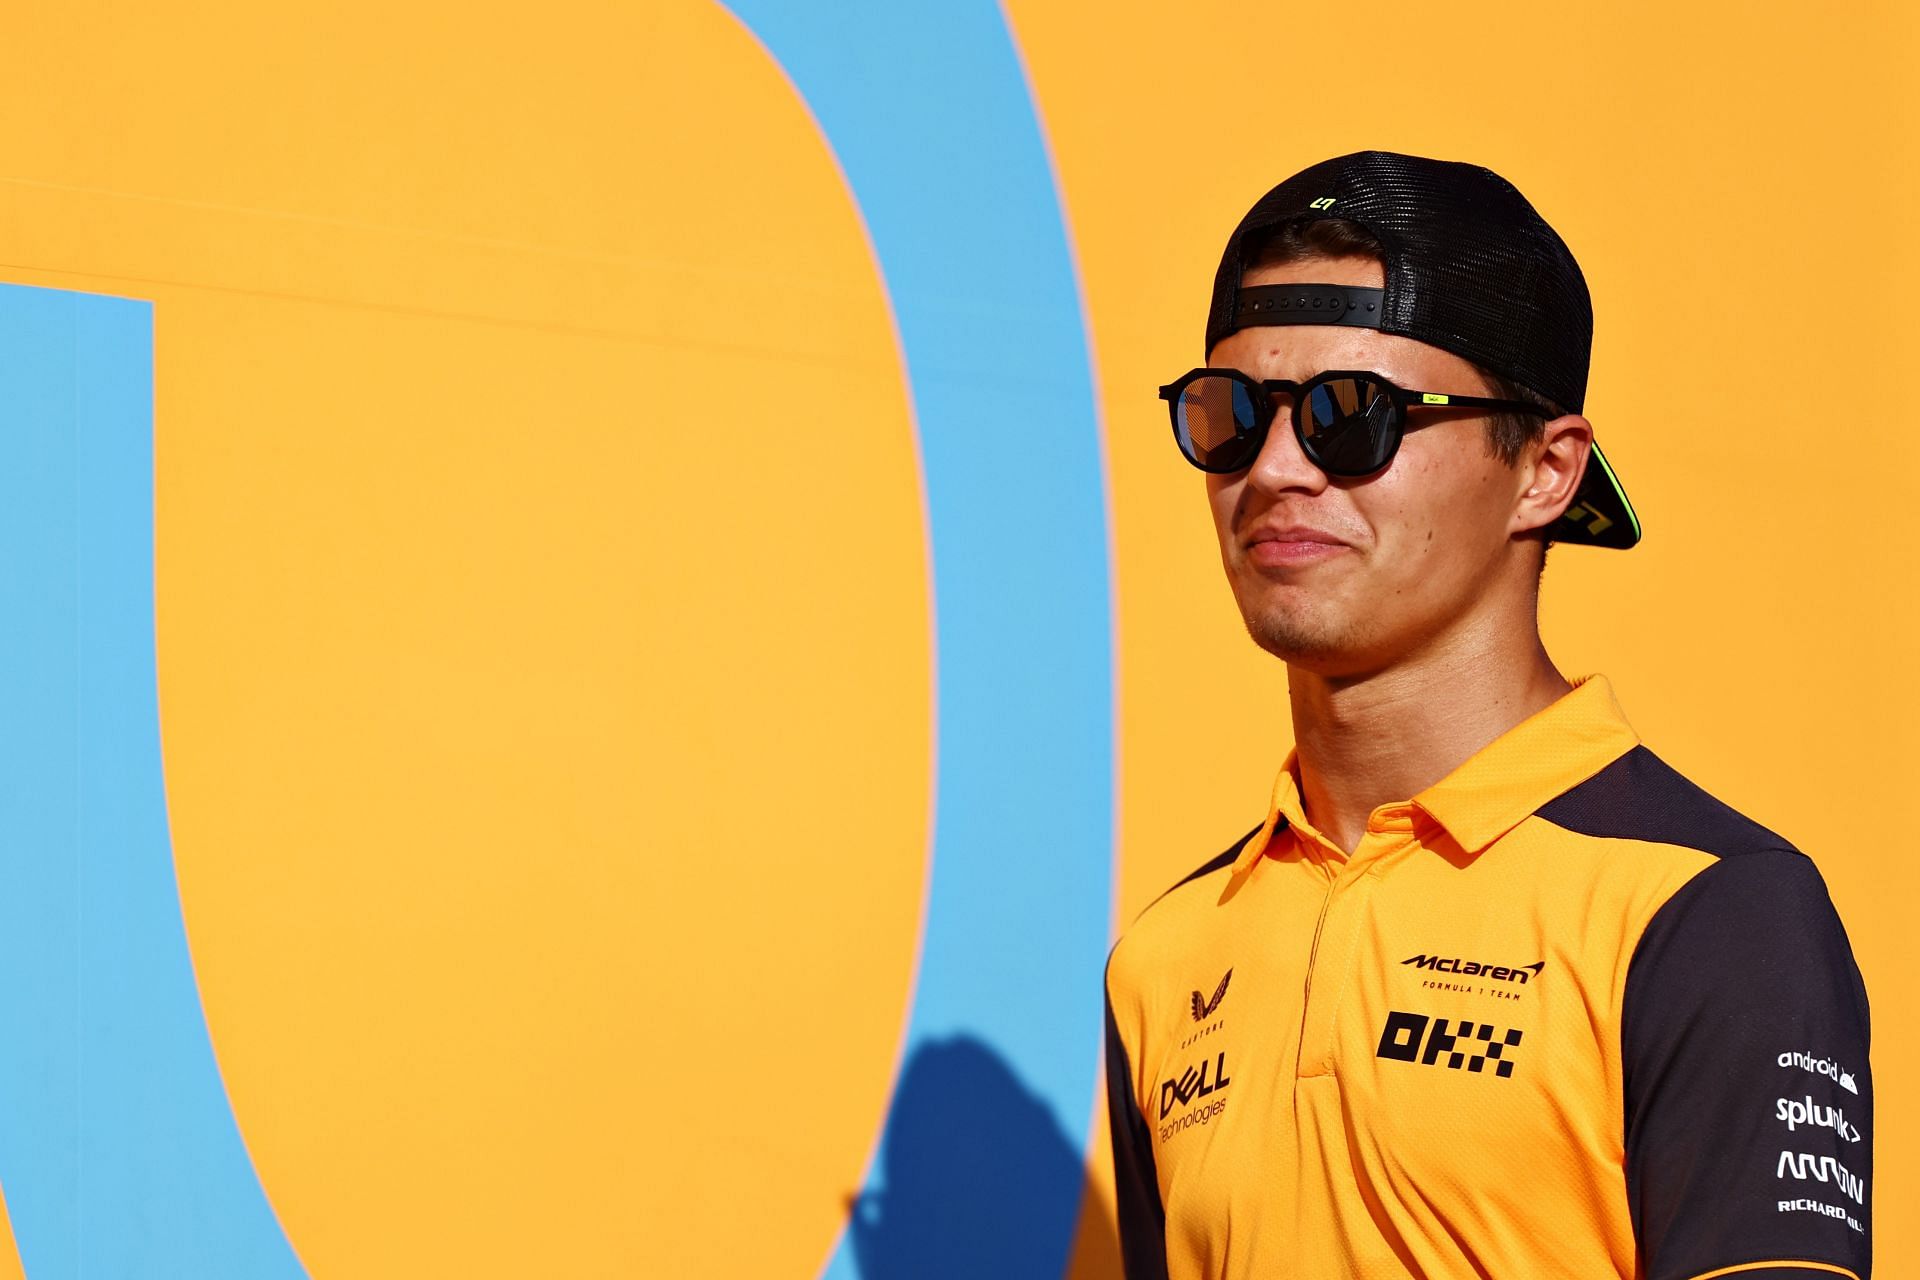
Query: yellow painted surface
[9, 1251]
[1731, 180]
[543, 615]
[523, 712]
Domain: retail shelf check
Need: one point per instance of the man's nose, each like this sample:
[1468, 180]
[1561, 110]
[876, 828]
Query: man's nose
[1281, 466]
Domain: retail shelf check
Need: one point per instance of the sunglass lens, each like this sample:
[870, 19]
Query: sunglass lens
[1217, 423]
[1350, 425]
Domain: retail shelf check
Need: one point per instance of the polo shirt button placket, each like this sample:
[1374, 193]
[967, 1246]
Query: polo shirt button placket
[1337, 933]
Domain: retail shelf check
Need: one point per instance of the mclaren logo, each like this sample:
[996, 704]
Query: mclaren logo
[1201, 1008]
[1520, 973]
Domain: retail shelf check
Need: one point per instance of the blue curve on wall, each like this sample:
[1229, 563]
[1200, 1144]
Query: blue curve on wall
[119, 1153]
[928, 111]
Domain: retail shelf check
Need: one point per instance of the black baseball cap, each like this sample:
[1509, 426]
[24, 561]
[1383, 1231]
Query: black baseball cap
[1471, 268]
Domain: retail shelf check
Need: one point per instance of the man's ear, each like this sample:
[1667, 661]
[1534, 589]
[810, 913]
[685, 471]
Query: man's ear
[1551, 469]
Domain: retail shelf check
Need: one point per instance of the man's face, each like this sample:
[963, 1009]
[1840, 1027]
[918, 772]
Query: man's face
[1346, 577]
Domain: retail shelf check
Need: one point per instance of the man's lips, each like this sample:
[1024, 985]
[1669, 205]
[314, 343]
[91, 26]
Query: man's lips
[1292, 544]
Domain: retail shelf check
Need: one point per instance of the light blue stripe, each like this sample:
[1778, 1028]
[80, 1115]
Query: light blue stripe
[119, 1153]
[928, 111]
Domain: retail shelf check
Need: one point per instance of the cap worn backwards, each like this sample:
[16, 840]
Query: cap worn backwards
[1470, 267]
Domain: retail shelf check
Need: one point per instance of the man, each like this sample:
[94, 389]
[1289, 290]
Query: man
[1491, 991]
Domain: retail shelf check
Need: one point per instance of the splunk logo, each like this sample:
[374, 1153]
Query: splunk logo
[1191, 1084]
[1804, 1110]
[1520, 973]
[1414, 1037]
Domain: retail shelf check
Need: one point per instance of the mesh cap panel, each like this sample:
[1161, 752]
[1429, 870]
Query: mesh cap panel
[1470, 266]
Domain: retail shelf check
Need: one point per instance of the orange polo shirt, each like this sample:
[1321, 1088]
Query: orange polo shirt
[1562, 1014]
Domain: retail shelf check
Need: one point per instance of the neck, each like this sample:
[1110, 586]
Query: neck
[1383, 738]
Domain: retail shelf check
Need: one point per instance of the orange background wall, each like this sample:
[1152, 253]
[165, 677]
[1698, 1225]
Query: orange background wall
[535, 682]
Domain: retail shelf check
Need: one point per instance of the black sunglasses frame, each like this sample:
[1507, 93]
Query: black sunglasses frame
[1263, 408]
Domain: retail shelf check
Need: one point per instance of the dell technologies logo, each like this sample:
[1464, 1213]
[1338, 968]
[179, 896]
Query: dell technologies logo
[1192, 1084]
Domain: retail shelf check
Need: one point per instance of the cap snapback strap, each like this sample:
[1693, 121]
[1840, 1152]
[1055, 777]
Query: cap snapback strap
[1264, 304]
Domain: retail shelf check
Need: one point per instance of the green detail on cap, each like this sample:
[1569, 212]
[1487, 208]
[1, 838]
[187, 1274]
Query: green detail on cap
[1324, 202]
[1590, 516]
[1613, 482]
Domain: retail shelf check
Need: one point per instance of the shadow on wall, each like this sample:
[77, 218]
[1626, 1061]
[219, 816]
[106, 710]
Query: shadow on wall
[978, 1178]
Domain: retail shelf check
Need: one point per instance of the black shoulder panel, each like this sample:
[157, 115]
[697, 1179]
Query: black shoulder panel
[1141, 1217]
[1749, 1102]
[1744, 1038]
[1642, 797]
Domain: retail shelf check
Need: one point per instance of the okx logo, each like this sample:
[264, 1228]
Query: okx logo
[1414, 1037]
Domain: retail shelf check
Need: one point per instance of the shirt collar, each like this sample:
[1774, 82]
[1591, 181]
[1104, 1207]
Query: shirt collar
[1555, 749]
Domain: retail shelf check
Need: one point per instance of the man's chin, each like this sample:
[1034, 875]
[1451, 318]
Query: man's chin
[1294, 639]
[1324, 645]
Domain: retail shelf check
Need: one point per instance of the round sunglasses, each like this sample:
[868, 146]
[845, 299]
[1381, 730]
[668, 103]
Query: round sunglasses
[1348, 422]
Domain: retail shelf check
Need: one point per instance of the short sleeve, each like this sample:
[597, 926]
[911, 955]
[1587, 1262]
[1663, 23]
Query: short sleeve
[1749, 1105]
